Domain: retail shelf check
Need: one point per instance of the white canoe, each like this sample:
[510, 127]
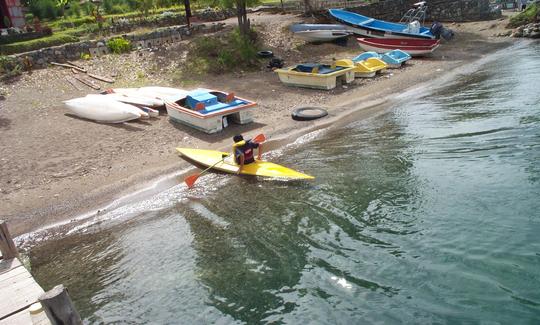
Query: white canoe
[320, 32]
[103, 109]
[133, 99]
[161, 93]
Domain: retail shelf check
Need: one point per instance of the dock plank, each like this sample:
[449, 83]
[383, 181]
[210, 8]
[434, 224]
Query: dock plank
[8, 265]
[23, 318]
[18, 289]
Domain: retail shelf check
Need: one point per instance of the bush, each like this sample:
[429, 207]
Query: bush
[44, 9]
[73, 22]
[29, 18]
[526, 17]
[224, 54]
[119, 45]
[9, 67]
[56, 39]
[74, 9]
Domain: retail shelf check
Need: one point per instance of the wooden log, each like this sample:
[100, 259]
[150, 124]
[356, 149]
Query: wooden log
[87, 82]
[95, 76]
[69, 66]
[74, 64]
[73, 83]
[75, 71]
[7, 246]
[59, 307]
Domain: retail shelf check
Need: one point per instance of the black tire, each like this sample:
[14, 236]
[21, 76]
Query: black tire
[308, 113]
[265, 54]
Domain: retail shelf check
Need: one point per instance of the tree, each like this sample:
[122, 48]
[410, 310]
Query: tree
[241, 12]
[243, 21]
[308, 8]
[187, 6]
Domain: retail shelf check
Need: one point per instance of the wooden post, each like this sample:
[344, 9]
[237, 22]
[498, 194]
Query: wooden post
[59, 307]
[7, 246]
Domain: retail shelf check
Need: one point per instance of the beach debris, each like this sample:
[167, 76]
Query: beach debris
[74, 64]
[73, 83]
[68, 66]
[77, 68]
[88, 82]
[101, 78]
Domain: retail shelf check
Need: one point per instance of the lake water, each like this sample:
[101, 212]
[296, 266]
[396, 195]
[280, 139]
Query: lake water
[427, 213]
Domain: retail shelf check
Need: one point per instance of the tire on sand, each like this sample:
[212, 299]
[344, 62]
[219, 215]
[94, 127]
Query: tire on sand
[308, 113]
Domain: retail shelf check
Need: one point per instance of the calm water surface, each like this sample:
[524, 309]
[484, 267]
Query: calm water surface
[429, 213]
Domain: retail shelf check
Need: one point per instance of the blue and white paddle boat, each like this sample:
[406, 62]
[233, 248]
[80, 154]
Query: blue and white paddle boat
[209, 110]
[393, 59]
[371, 27]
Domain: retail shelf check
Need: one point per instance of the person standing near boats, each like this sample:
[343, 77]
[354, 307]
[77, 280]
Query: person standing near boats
[243, 151]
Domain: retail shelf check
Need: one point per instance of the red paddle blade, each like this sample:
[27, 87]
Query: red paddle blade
[190, 180]
[259, 138]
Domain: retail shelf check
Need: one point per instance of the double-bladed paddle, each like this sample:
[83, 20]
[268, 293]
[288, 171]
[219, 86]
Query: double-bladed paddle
[190, 180]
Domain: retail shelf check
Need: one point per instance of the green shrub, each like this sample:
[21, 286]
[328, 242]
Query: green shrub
[29, 18]
[120, 8]
[223, 54]
[526, 17]
[44, 9]
[9, 67]
[74, 9]
[35, 44]
[73, 22]
[119, 45]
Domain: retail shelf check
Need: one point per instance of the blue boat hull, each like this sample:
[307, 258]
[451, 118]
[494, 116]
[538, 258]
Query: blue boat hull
[370, 27]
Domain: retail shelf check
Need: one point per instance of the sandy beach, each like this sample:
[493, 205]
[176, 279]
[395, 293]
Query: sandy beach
[55, 166]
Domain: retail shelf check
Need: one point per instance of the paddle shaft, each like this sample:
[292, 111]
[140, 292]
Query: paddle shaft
[214, 165]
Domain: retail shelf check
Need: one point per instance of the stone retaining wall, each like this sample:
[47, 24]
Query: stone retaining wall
[73, 51]
[439, 10]
[124, 25]
[393, 10]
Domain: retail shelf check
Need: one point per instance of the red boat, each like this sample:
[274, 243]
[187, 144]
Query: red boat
[413, 46]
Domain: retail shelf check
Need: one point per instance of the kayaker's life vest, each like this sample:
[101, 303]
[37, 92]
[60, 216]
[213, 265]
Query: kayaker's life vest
[244, 148]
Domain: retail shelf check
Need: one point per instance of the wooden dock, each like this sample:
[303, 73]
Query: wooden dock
[22, 300]
[18, 291]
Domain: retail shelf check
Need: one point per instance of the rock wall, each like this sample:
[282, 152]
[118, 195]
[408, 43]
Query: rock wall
[440, 10]
[529, 30]
[72, 51]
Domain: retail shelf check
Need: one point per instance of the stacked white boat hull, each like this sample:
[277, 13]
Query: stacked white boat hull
[122, 104]
[103, 109]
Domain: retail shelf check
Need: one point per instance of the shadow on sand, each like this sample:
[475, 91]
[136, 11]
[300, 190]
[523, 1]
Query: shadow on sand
[127, 127]
[4, 123]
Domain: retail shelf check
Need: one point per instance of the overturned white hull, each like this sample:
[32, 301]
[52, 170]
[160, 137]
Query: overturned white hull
[159, 93]
[103, 109]
[132, 99]
[320, 32]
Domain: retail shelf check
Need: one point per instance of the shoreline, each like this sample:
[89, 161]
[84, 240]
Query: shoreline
[156, 185]
[127, 186]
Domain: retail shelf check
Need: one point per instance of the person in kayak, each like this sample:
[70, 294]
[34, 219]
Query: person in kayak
[243, 151]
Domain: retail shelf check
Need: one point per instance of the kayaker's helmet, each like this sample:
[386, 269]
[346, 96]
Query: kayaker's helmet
[238, 138]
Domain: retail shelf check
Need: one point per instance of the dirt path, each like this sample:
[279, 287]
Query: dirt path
[54, 166]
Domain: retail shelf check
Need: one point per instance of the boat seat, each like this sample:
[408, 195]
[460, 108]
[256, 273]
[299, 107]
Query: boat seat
[366, 22]
[200, 96]
[307, 67]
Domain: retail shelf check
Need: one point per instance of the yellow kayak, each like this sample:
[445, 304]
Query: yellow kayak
[258, 168]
